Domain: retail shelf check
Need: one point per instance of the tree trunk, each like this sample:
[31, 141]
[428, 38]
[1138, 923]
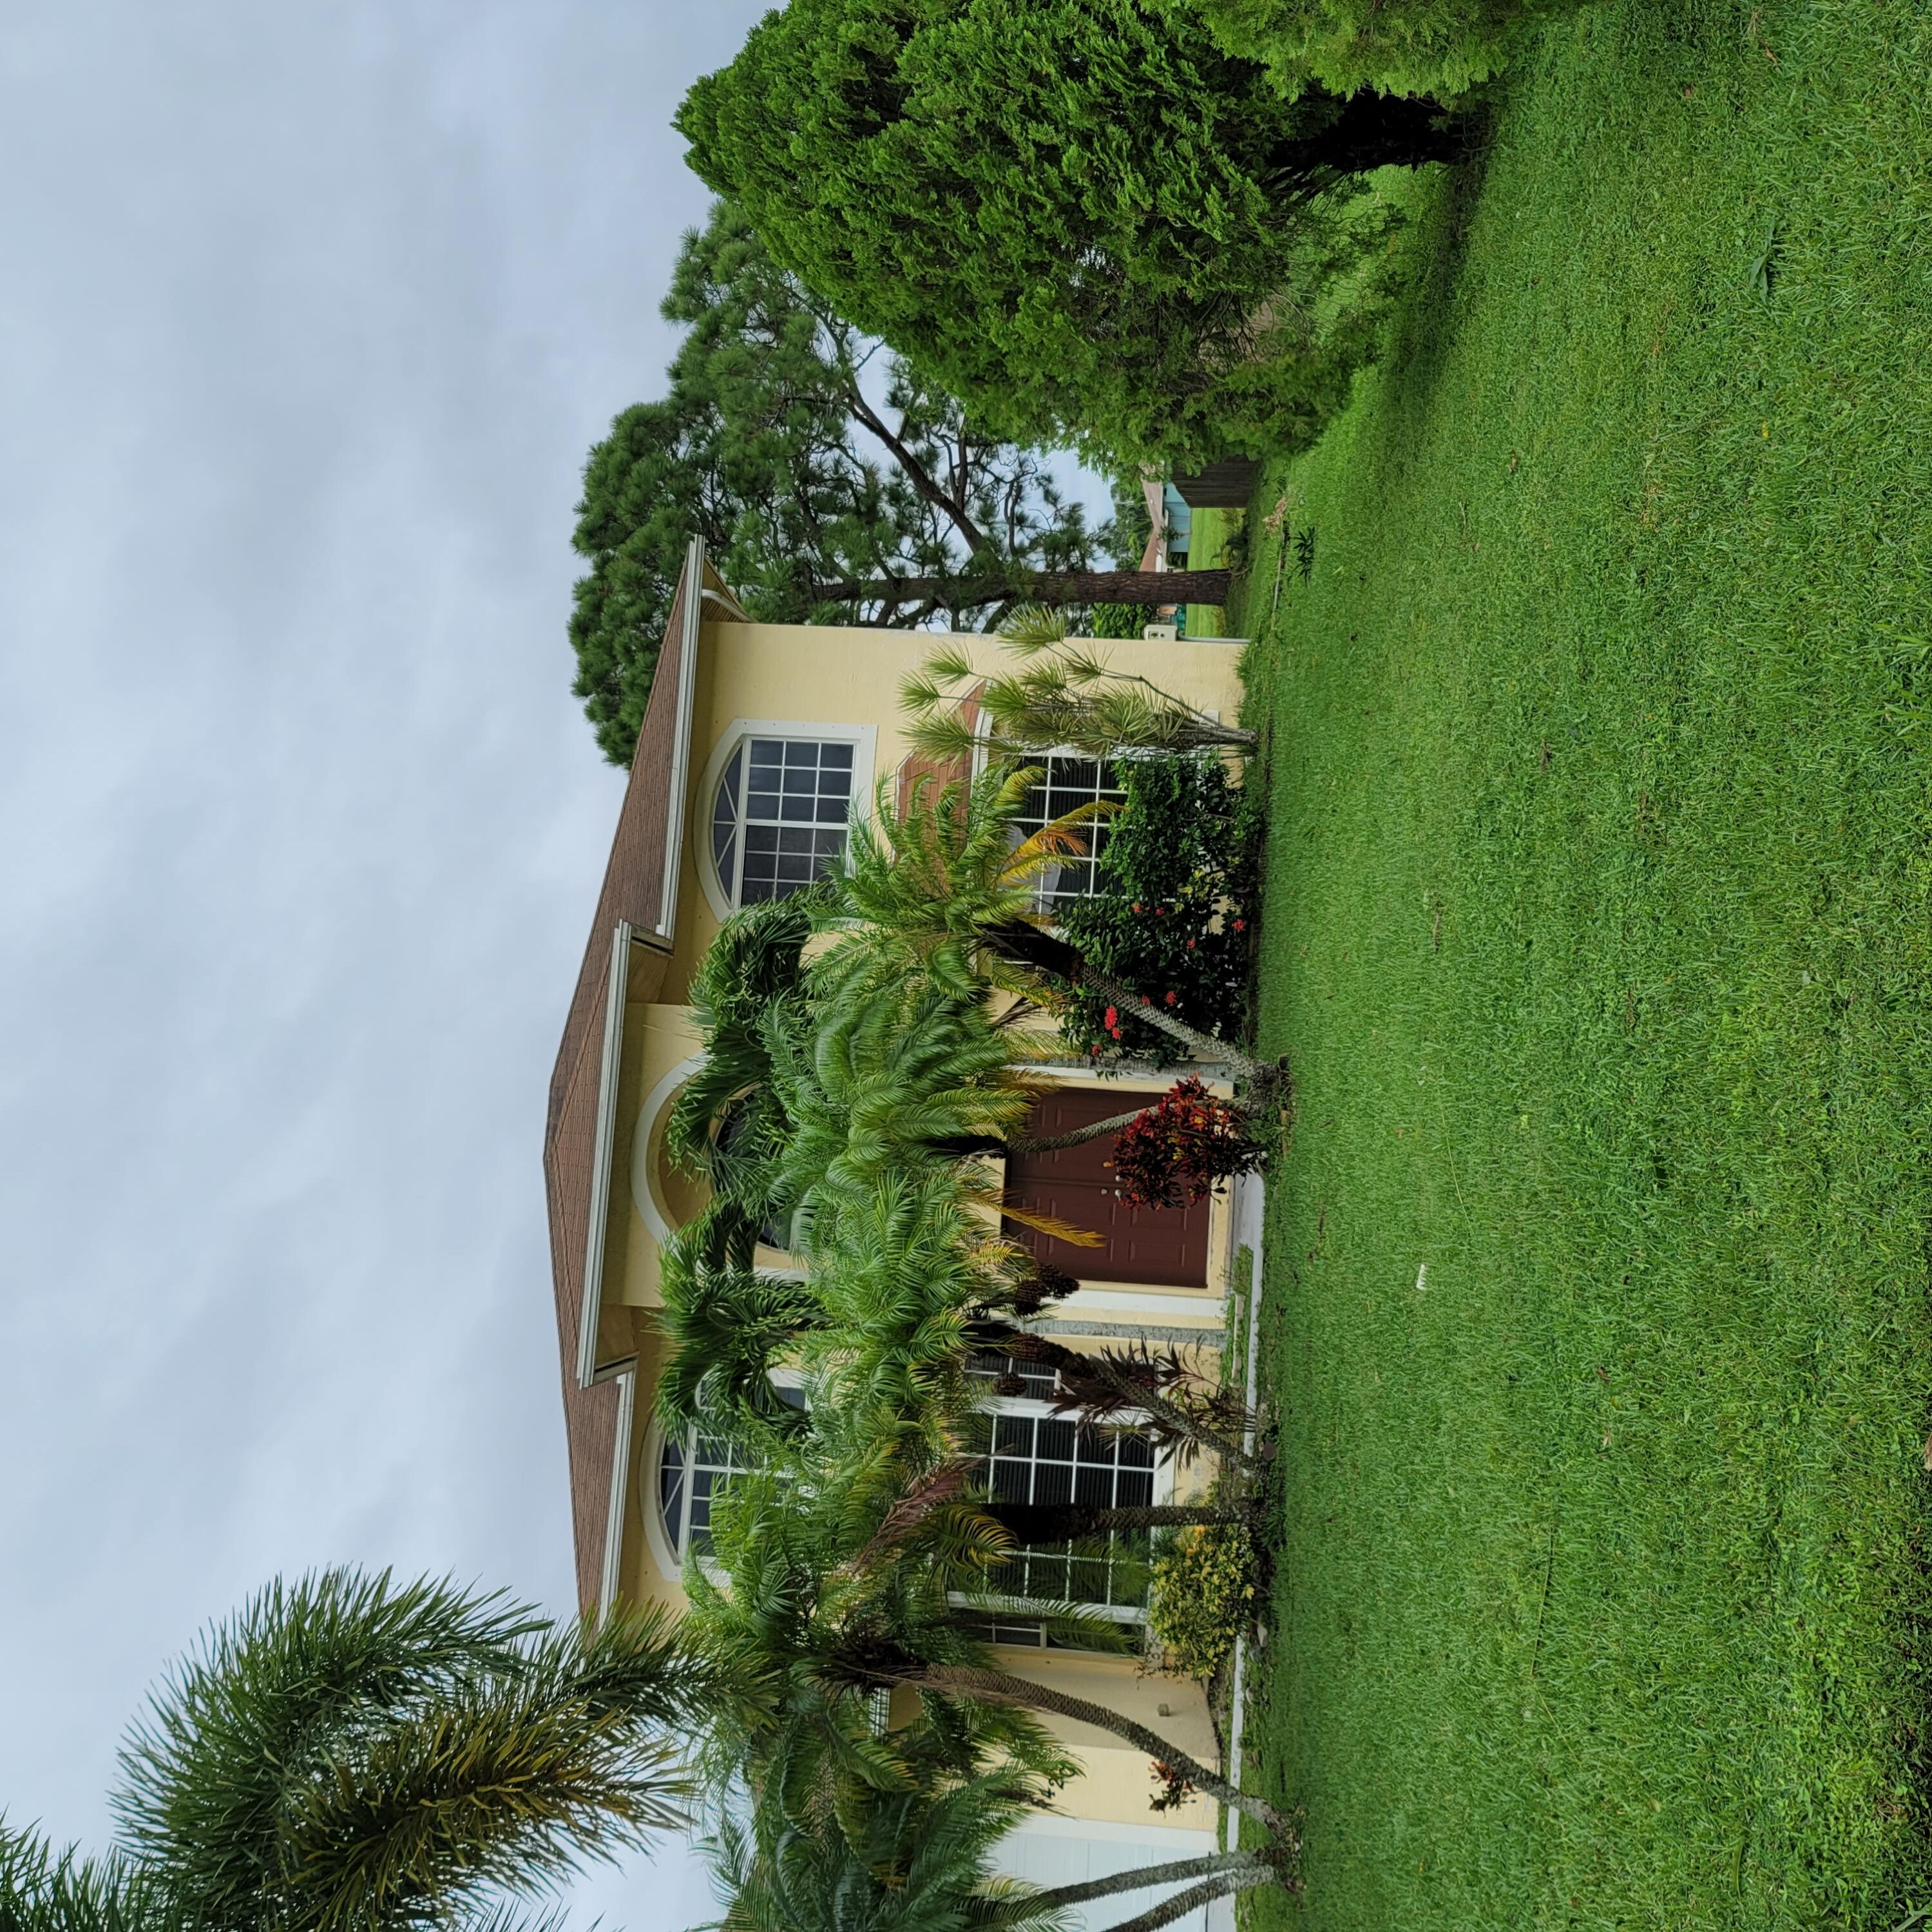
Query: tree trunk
[1203, 1046]
[1371, 130]
[1093, 1131]
[1069, 1522]
[1028, 1345]
[1026, 945]
[996, 1686]
[1054, 586]
[1214, 1864]
[1183, 1903]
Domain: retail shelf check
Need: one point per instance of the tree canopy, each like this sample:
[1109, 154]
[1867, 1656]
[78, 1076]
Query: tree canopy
[832, 484]
[1078, 215]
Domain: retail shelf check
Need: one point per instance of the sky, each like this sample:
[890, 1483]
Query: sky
[310, 312]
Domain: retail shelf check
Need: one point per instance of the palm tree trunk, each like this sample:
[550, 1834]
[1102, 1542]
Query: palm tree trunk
[1203, 1046]
[998, 1686]
[1093, 1131]
[1069, 1522]
[1183, 1903]
[1027, 1346]
[1026, 945]
[1214, 1864]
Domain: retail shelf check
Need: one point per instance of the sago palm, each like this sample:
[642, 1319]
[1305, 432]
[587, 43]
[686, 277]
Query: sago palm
[803, 1612]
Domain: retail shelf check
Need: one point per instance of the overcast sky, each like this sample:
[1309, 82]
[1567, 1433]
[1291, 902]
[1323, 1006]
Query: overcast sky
[311, 311]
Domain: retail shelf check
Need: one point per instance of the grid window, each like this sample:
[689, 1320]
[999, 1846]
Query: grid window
[1028, 1633]
[1069, 784]
[693, 1470]
[990, 1365]
[778, 821]
[1051, 1459]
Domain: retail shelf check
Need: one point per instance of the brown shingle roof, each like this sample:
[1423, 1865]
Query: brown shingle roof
[633, 886]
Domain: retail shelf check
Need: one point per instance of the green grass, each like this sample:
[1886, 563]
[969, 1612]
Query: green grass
[1599, 928]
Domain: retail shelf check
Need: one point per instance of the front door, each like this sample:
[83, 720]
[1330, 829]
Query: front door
[1165, 1246]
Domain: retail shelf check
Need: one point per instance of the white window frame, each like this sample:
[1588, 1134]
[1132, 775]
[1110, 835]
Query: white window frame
[863, 738]
[996, 1608]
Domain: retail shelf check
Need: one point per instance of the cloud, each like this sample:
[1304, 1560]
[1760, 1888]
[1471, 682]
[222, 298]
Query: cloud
[313, 310]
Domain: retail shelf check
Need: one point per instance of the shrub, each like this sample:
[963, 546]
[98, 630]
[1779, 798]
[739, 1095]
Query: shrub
[1078, 216]
[1173, 917]
[1441, 48]
[1170, 1155]
[1121, 620]
[1205, 1591]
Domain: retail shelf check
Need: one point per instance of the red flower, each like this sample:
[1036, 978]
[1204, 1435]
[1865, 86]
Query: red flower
[1190, 946]
[1170, 999]
[1145, 1001]
[1112, 1021]
[1240, 926]
[1137, 905]
[1116, 1032]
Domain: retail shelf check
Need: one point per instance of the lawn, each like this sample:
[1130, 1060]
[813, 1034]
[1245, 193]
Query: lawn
[1599, 930]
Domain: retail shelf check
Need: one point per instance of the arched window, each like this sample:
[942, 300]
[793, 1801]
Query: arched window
[778, 820]
[692, 1470]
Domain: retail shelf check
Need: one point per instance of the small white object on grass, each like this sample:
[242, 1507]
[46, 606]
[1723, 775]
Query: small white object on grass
[1422, 1278]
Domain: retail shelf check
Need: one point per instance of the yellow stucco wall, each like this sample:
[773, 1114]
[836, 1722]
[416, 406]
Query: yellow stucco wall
[796, 676]
[753, 675]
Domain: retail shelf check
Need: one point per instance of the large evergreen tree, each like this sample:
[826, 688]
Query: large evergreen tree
[831, 484]
[1078, 215]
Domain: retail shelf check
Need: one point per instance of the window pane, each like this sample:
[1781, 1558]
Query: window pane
[796, 801]
[1068, 784]
[1053, 1483]
[1093, 1488]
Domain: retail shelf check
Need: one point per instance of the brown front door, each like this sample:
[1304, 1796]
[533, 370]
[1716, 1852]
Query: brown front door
[1164, 1245]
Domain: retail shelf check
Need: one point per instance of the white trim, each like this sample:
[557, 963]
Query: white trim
[1202, 1301]
[864, 739]
[650, 1458]
[609, 1072]
[620, 1471]
[680, 750]
[1047, 1609]
[643, 1192]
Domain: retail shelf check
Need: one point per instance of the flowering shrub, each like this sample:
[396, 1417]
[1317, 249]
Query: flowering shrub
[1171, 1154]
[1174, 914]
[1204, 1591]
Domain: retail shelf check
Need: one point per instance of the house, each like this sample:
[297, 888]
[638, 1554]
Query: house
[757, 740]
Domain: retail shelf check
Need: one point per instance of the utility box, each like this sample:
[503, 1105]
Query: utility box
[1226, 485]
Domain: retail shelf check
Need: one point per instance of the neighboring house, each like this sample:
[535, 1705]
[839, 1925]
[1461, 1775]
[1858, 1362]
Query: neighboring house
[757, 740]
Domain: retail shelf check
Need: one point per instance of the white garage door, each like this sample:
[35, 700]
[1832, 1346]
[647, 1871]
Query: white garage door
[1069, 1851]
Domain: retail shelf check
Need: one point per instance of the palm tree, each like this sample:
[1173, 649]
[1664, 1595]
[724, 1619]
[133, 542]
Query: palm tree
[1067, 694]
[41, 1891]
[348, 1752]
[921, 1861]
[804, 1625]
[747, 995]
